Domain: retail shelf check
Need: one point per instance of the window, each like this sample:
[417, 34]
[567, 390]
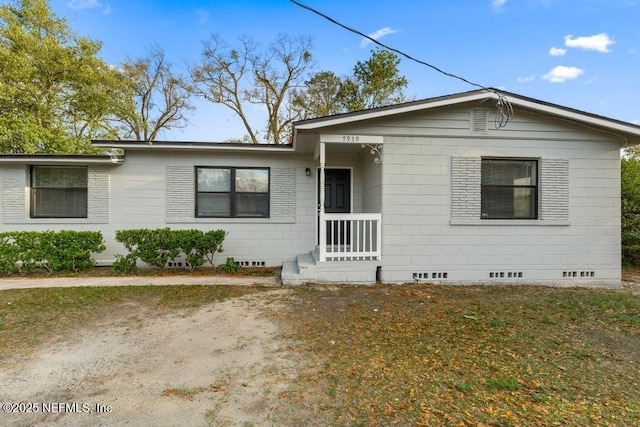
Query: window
[58, 192]
[232, 192]
[509, 189]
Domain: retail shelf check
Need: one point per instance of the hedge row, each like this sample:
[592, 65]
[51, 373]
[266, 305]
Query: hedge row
[631, 247]
[159, 246]
[54, 251]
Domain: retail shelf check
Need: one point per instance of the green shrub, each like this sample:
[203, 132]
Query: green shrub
[23, 251]
[630, 210]
[124, 265]
[8, 254]
[230, 266]
[157, 247]
[213, 242]
[197, 246]
[71, 250]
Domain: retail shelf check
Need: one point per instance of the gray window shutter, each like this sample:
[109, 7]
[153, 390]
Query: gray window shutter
[465, 187]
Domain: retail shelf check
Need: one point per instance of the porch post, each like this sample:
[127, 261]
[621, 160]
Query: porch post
[322, 226]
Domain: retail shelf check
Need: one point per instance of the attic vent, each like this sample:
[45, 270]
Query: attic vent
[479, 121]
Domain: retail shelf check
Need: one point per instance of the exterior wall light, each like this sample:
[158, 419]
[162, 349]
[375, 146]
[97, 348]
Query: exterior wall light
[307, 171]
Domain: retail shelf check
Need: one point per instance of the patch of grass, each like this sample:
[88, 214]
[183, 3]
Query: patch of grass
[439, 355]
[190, 392]
[154, 272]
[29, 317]
[504, 383]
[463, 387]
[496, 323]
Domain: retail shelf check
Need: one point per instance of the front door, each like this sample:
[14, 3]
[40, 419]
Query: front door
[337, 199]
[337, 191]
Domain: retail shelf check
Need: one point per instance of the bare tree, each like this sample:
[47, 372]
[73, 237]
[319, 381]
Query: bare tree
[238, 77]
[161, 97]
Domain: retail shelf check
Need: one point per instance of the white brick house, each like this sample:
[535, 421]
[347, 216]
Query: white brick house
[429, 191]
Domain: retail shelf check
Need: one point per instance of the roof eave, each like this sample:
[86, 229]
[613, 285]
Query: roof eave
[53, 159]
[591, 120]
[180, 146]
[387, 111]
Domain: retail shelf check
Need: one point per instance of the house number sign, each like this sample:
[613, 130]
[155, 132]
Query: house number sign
[352, 139]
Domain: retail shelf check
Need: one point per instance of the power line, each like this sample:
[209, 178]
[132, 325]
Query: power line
[503, 105]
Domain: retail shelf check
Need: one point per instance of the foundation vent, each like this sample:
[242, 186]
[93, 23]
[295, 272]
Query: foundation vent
[252, 263]
[431, 275]
[177, 264]
[579, 274]
[506, 275]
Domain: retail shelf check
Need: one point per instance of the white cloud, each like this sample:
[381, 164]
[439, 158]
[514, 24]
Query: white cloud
[89, 4]
[203, 17]
[527, 79]
[561, 74]
[497, 4]
[83, 4]
[599, 42]
[378, 35]
[557, 51]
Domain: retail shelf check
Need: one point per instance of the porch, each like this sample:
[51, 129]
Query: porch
[349, 223]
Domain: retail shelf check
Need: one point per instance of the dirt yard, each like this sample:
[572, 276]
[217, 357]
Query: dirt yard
[223, 364]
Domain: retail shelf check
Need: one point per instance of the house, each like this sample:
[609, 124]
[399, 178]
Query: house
[478, 187]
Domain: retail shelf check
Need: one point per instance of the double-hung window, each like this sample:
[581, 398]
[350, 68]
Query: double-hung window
[232, 192]
[509, 189]
[58, 192]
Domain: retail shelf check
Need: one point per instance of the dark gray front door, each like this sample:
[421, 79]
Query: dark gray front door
[337, 191]
[337, 199]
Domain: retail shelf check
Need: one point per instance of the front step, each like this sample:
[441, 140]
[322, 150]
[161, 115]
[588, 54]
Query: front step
[307, 269]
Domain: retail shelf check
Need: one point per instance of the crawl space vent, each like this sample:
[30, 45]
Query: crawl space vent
[582, 274]
[479, 121]
[506, 275]
[433, 275]
[251, 263]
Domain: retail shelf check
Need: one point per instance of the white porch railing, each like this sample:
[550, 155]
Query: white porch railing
[350, 237]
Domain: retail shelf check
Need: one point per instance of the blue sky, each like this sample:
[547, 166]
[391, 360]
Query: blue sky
[583, 54]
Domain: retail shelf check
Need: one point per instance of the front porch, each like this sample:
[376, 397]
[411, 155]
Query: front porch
[349, 223]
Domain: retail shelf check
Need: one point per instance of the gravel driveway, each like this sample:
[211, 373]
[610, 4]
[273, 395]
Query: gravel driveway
[223, 364]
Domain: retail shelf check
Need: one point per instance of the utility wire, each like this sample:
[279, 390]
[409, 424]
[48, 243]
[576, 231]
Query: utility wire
[503, 105]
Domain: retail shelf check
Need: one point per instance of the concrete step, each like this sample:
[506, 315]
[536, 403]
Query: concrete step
[306, 269]
[289, 268]
[291, 274]
[305, 262]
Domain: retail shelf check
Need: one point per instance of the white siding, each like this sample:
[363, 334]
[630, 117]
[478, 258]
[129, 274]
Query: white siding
[372, 184]
[427, 189]
[152, 190]
[425, 229]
